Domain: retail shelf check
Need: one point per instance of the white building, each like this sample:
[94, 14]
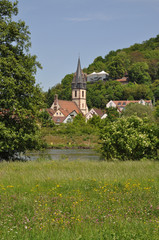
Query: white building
[94, 77]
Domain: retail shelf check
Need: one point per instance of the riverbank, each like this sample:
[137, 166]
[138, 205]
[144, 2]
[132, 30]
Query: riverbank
[65, 141]
[90, 200]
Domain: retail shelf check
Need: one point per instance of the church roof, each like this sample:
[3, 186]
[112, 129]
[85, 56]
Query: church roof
[79, 80]
[68, 106]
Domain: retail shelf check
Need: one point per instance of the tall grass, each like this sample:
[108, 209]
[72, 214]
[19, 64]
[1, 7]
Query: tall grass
[79, 200]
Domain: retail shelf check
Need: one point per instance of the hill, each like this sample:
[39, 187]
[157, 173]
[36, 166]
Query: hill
[140, 62]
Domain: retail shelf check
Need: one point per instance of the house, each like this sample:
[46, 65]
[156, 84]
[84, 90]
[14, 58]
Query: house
[121, 104]
[95, 111]
[123, 80]
[63, 111]
[94, 77]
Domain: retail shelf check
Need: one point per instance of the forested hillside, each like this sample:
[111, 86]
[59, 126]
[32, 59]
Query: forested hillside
[139, 62]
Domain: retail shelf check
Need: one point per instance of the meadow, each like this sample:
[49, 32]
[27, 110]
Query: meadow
[76, 200]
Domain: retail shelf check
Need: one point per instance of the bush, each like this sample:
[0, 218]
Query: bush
[45, 119]
[129, 139]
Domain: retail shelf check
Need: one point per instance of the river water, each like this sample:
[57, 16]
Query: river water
[69, 154]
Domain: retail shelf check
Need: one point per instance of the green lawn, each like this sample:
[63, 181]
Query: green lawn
[79, 200]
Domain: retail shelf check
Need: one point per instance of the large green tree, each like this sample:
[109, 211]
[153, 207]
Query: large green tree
[138, 73]
[116, 67]
[20, 97]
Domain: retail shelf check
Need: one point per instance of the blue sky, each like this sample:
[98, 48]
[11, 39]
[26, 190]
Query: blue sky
[61, 30]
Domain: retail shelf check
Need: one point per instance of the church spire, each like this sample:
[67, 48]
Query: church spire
[79, 80]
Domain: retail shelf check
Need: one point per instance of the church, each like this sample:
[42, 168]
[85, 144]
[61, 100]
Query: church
[63, 111]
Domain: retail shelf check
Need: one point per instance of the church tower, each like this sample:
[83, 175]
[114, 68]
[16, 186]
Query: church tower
[79, 89]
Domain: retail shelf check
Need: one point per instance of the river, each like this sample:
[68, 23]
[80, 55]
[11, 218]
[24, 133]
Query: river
[68, 154]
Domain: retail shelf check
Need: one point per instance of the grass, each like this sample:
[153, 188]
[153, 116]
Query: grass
[79, 200]
[75, 141]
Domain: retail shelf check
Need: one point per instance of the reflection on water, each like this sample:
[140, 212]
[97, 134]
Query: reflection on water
[69, 154]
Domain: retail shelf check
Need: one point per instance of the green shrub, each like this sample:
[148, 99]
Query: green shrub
[129, 138]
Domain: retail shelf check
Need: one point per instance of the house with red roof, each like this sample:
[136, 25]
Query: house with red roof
[63, 111]
[96, 111]
[121, 104]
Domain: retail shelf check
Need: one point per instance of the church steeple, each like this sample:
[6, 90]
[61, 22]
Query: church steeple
[79, 80]
[79, 89]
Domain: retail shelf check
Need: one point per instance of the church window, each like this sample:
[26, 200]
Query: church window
[82, 93]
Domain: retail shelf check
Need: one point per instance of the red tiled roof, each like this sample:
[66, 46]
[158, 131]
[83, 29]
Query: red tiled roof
[58, 119]
[126, 102]
[100, 112]
[122, 80]
[50, 111]
[68, 106]
[65, 107]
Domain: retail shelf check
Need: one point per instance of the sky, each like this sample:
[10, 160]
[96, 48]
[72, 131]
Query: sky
[63, 30]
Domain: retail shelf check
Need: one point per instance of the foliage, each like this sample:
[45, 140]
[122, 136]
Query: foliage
[20, 98]
[98, 65]
[112, 114]
[129, 139]
[138, 73]
[78, 126]
[139, 110]
[63, 90]
[116, 68]
[156, 113]
[155, 89]
[95, 121]
[45, 119]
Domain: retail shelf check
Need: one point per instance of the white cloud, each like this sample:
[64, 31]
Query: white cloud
[79, 19]
[94, 17]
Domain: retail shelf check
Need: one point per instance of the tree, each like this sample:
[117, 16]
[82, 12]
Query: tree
[112, 114]
[139, 110]
[116, 68]
[129, 139]
[45, 119]
[138, 73]
[95, 121]
[155, 89]
[137, 91]
[20, 98]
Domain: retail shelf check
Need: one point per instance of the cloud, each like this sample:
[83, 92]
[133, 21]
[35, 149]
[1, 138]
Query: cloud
[95, 17]
[79, 19]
